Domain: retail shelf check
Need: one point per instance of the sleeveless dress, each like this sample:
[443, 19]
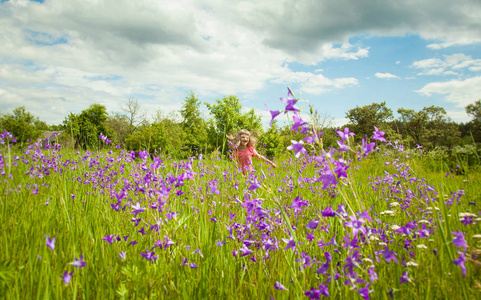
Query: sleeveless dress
[244, 157]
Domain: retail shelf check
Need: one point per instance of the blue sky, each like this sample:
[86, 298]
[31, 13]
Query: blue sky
[61, 56]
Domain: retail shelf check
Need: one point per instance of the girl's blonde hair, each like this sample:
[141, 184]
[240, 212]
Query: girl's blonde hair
[234, 140]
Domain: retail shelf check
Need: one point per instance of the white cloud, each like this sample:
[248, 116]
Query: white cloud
[449, 65]
[386, 76]
[60, 56]
[313, 83]
[459, 92]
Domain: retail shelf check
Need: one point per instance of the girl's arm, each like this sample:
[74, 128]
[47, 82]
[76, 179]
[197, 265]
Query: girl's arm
[265, 159]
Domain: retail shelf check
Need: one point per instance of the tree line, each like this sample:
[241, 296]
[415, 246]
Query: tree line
[189, 132]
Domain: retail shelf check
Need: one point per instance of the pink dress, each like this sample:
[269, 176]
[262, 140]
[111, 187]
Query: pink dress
[244, 157]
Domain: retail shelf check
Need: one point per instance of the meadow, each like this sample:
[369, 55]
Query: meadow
[373, 220]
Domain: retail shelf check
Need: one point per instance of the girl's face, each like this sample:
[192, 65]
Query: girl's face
[244, 140]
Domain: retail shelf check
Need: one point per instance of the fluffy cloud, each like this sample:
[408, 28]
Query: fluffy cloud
[60, 56]
[460, 92]
[386, 76]
[449, 65]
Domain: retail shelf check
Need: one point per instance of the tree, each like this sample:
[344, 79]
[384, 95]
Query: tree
[119, 127]
[193, 125]
[228, 117]
[429, 127]
[86, 127]
[363, 119]
[135, 114]
[474, 109]
[474, 126]
[23, 125]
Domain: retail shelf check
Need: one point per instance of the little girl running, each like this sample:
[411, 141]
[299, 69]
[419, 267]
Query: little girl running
[244, 146]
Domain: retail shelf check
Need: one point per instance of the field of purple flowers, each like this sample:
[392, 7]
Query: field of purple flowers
[358, 221]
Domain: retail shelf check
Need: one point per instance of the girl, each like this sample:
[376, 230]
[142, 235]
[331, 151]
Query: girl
[243, 145]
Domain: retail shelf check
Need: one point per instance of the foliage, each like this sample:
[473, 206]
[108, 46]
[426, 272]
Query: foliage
[23, 125]
[193, 125]
[86, 127]
[363, 119]
[227, 117]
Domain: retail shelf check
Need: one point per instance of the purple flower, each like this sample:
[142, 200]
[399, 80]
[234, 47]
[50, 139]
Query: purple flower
[364, 292]
[298, 203]
[298, 122]
[328, 212]
[254, 184]
[389, 255]
[298, 147]
[122, 255]
[459, 240]
[345, 134]
[378, 135]
[367, 148]
[51, 243]
[460, 262]
[290, 243]
[137, 209]
[66, 277]
[245, 251]
[197, 251]
[148, 255]
[312, 224]
[290, 104]
[193, 266]
[279, 286]
[404, 278]
[356, 225]
[109, 238]
[274, 113]
[79, 263]
[323, 269]
[372, 274]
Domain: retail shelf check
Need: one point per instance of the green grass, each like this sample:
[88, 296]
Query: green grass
[30, 270]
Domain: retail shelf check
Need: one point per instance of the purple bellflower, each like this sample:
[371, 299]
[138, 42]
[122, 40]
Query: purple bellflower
[51, 243]
[79, 263]
[66, 277]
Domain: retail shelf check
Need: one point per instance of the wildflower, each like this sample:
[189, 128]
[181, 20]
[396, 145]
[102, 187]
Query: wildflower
[137, 209]
[122, 255]
[422, 246]
[298, 122]
[356, 225]
[412, 264]
[459, 240]
[279, 286]
[328, 212]
[66, 277]
[312, 224]
[298, 147]
[51, 243]
[345, 134]
[79, 263]
[460, 262]
[364, 292]
[378, 135]
[404, 278]
[274, 113]
[149, 255]
[109, 238]
[197, 251]
[290, 244]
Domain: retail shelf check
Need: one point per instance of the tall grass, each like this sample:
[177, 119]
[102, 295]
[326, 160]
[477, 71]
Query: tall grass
[209, 206]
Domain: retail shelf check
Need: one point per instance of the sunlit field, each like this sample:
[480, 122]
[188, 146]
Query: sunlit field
[131, 225]
[369, 220]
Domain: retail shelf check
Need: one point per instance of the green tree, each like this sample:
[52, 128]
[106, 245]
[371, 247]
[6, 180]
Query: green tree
[86, 127]
[23, 125]
[193, 125]
[363, 119]
[227, 117]
[429, 127]
[119, 128]
[473, 128]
